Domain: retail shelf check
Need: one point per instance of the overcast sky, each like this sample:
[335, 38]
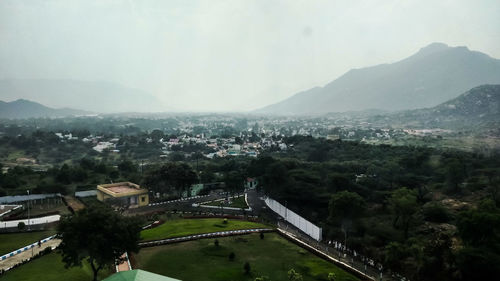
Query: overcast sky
[229, 55]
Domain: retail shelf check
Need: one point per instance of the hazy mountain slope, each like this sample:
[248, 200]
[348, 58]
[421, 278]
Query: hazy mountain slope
[433, 75]
[26, 109]
[479, 106]
[102, 97]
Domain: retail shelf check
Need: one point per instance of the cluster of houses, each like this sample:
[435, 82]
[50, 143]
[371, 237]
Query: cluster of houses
[224, 136]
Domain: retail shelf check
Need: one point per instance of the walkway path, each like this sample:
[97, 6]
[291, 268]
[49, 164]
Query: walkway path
[11, 261]
[345, 263]
[124, 265]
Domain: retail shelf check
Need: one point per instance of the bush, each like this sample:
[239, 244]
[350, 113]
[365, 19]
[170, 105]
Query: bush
[21, 225]
[246, 268]
[436, 212]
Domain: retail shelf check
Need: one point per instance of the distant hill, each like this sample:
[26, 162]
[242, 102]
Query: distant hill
[103, 97]
[479, 106]
[20, 109]
[433, 75]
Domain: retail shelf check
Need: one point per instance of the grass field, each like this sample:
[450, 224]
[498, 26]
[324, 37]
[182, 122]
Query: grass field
[201, 260]
[238, 202]
[183, 227]
[13, 241]
[50, 267]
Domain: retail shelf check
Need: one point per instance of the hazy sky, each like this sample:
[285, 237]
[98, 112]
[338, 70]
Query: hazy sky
[229, 55]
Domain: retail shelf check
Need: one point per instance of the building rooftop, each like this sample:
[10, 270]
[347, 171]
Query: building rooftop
[138, 275]
[121, 188]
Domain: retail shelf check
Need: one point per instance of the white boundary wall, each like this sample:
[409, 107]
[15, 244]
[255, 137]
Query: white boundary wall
[20, 250]
[290, 216]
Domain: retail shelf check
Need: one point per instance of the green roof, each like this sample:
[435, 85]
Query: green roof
[138, 275]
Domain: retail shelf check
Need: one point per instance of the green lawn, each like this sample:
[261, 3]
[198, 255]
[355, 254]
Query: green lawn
[13, 241]
[183, 227]
[238, 202]
[51, 268]
[201, 260]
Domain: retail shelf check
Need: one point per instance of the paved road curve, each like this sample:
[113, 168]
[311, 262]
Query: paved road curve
[203, 236]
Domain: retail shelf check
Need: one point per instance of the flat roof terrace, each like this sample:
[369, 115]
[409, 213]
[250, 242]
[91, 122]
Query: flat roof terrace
[120, 189]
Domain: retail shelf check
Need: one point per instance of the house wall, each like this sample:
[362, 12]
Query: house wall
[142, 199]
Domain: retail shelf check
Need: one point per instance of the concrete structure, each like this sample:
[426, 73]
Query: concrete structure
[126, 193]
[251, 183]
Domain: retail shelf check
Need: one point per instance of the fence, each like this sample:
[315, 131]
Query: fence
[22, 198]
[290, 216]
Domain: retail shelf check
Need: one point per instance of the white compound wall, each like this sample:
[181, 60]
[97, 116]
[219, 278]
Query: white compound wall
[293, 218]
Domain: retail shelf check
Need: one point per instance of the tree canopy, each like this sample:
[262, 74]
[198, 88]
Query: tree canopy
[97, 235]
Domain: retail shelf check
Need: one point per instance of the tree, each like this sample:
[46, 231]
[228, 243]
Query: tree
[455, 174]
[480, 227]
[171, 176]
[234, 181]
[97, 235]
[403, 204]
[344, 208]
[346, 205]
[127, 167]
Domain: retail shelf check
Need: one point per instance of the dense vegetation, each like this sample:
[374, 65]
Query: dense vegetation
[410, 207]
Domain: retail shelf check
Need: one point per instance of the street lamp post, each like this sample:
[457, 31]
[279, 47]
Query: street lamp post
[28, 209]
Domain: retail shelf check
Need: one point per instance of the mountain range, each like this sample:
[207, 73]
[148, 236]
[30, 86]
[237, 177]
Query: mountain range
[20, 109]
[433, 75]
[480, 106]
[95, 96]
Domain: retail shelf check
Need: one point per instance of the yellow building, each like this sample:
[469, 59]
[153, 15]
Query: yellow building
[127, 193]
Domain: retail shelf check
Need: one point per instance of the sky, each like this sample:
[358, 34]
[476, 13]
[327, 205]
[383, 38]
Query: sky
[232, 55]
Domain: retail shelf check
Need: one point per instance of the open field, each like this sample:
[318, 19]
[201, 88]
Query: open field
[50, 267]
[184, 227]
[203, 261]
[13, 241]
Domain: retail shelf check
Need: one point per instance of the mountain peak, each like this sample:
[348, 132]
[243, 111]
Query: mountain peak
[435, 74]
[433, 47]
[22, 108]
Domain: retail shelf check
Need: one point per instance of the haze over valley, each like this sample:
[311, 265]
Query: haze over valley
[221, 140]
